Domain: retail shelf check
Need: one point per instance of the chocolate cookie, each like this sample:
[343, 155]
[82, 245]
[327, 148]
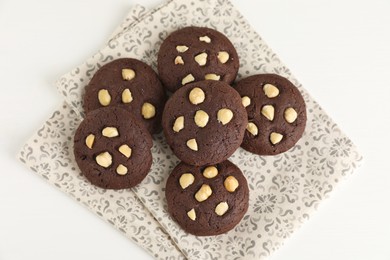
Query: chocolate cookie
[276, 113]
[204, 122]
[112, 148]
[129, 84]
[194, 54]
[207, 201]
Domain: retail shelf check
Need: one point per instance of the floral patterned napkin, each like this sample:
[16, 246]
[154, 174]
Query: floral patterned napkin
[284, 189]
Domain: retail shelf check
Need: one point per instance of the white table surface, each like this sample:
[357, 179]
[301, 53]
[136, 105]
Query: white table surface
[339, 50]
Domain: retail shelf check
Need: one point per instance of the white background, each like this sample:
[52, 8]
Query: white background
[339, 50]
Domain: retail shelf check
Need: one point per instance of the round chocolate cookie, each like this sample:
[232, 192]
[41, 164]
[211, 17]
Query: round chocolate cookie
[112, 148]
[204, 122]
[276, 113]
[207, 201]
[194, 54]
[129, 84]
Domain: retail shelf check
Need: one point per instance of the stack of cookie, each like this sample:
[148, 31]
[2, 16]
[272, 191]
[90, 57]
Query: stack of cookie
[123, 103]
[204, 121]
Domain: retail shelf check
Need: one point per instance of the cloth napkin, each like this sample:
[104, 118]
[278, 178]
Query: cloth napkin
[284, 189]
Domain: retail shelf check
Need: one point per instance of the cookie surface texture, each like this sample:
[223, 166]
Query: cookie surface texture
[276, 113]
[112, 149]
[204, 122]
[207, 201]
[130, 84]
[196, 53]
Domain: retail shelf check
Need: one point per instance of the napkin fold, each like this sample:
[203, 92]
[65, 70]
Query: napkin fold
[284, 189]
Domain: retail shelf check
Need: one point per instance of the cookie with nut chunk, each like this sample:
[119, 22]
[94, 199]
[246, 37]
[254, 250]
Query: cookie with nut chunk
[130, 84]
[207, 200]
[112, 148]
[196, 53]
[204, 122]
[276, 113]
